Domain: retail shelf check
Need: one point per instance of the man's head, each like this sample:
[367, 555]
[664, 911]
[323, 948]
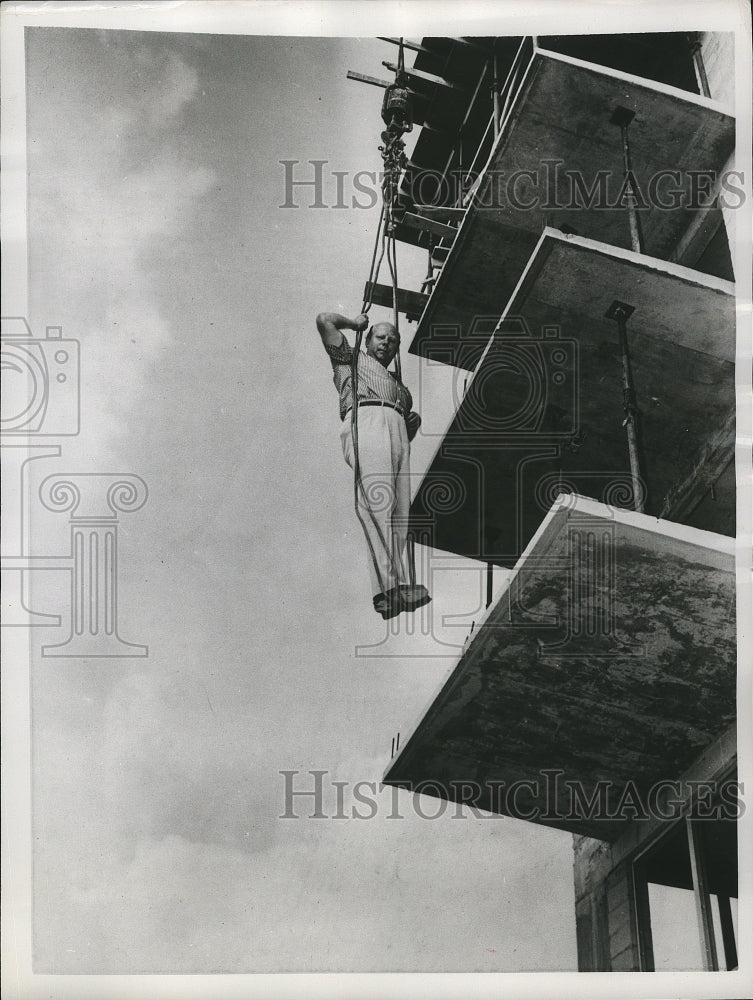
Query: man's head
[382, 342]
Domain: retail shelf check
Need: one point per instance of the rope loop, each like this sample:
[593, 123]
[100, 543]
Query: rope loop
[395, 161]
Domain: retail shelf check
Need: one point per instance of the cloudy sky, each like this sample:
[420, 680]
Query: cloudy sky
[156, 238]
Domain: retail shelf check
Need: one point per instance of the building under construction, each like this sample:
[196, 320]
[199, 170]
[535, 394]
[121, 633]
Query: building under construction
[575, 198]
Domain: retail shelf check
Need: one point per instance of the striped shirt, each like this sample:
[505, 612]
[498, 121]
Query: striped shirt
[374, 381]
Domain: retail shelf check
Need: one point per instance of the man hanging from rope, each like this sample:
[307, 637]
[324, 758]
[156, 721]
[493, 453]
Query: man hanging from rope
[376, 445]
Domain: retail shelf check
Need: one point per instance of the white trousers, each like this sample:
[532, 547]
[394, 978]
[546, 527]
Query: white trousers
[384, 502]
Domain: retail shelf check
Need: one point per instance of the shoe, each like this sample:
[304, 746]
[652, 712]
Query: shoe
[388, 605]
[413, 597]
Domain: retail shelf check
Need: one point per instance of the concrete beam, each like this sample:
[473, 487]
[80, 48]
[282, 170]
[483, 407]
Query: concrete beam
[417, 74]
[363, 78]
[406, 43]
[414, 221]
[443, 213]
[408, 302]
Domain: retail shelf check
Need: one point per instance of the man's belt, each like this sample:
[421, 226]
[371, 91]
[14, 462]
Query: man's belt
[380, 402]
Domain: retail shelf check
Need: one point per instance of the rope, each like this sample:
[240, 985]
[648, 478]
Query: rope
[357, 480]
[372, 274]
[392, 263]
[392, 154]
[410, 546]
[358, 486]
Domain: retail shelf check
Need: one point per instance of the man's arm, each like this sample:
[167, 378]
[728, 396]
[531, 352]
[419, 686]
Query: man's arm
[330, 326]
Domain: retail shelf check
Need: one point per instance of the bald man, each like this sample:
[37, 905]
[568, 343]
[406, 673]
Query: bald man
[386, 426]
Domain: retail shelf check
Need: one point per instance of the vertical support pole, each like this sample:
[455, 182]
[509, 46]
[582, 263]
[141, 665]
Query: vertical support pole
[489, 581]
[643, 921]
[702, 898]
[728, 932]
[410, 544]
[700, 69]
[620, 311]
[495, 92]
[428, 281]
[623, 117]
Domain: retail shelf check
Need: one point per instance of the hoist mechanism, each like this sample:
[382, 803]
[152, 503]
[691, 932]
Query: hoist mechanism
[394, 160]
[397, 114]
[396, 106]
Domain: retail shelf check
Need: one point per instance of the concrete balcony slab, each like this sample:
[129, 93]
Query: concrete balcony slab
[543, 412]
[608, 662]
[558, 141]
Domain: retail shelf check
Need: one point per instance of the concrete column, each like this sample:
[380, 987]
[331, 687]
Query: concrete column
[605, 918]
[717, 51]
[624, 948]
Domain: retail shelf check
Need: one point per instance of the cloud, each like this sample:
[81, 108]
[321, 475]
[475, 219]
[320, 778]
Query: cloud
[111, 195]
[345, 897]
[317, 895]
[177, 87]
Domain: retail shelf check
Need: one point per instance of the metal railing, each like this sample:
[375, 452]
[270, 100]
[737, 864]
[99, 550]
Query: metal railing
[503, 100]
